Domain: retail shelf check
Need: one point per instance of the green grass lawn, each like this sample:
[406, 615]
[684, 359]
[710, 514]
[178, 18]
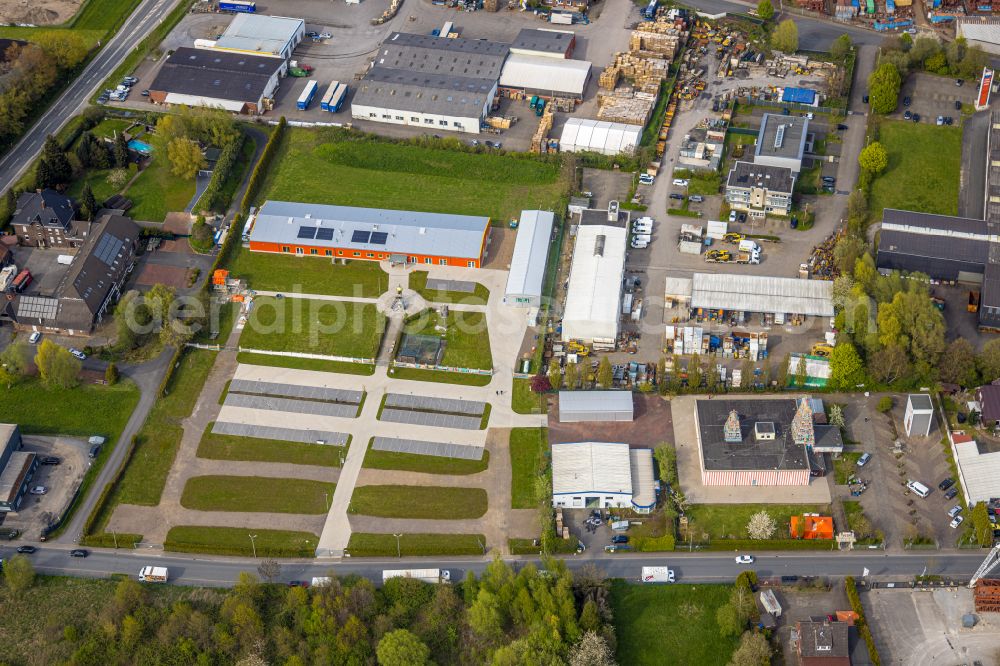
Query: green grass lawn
[418, 283]
[654, 621]
[333, 328]
[256, 493]
[384, 545]
[305, 364]
[86, 410]
[529, 449]
[236, 541]
[334, 166]
[419, 502]
[412, 462]
[846, 465]
[924, 168]
[418, 375]
[110, 127]
[467, 336]
[524, 401]
[233, 447]
[156, 443]
[309, 275]
[723, 521]
[99, 185]
[157, 191]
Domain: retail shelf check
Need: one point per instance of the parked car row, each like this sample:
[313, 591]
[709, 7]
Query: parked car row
[121, 92]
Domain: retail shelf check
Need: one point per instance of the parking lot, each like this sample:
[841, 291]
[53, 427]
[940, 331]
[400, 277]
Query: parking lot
[932, 96]
[61, 481]
[46, 271]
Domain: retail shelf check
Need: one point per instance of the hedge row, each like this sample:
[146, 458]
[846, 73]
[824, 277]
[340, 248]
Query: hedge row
[654, 544]
[768, 544]
[211, 198]
[862, 623]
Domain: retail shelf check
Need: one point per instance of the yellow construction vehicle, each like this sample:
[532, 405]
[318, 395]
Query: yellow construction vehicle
[733, 237]
[822, 349]
[578, 348]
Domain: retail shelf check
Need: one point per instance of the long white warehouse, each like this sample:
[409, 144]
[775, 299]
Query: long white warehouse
[757, 293]
[527, 265]
[599, 136]
[595, 283]
[602, 475]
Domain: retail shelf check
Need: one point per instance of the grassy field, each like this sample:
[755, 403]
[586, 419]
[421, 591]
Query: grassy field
[309, 275]
[333, 328]
[467, 336]
[924, 168]
[231, 447]
[157, 191]
[725, 521]
[529, 448]
[384, 545]
[236, 541]
[846, 465]
[412, 462]
[158, 439]
[333, 166]
[652, 621]
[256, 493]
[86, 410]
[418, 283]
[419, 502]
[524, 401]
[419, 375]
[305, 364]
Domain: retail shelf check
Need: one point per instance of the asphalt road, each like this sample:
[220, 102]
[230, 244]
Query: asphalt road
[143, 20]
[689, 567]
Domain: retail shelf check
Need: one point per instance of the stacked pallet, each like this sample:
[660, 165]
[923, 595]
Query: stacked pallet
[661, 43]
[541, 134]
[500, 122]
[625, 107]
[609, 77]
[987, 595]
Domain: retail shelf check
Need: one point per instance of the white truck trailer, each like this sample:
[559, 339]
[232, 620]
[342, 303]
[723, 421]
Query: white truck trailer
[153, 574]
[657, 575]
[426, 575]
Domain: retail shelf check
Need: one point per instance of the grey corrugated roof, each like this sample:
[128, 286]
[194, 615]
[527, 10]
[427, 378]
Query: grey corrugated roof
[758, 293]
[772, 178]
[926, 245]
[216, 74]
[543, 41]
[594, 401]
[473, 58]
[930, 223]
[531, 250]
[407, 231]
[793, 143]
[423, 92]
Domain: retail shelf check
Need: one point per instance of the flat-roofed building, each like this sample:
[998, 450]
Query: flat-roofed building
[235, 82]
[544, 42]
[527, 265]
[16, 468]
[781, 141]
[759, 189]
[262, 35]
[595, 406]
[593, 299]
[602, 475]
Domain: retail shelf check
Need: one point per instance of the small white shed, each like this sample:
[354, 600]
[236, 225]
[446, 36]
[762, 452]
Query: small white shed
[607, 406]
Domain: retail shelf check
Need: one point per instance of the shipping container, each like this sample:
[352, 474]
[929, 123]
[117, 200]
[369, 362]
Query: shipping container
[306, 98]
[240, 6]
[22, 281]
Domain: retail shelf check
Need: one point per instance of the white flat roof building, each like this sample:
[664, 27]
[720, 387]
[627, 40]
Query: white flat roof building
[979, 471]
[257, 34]
[527, 264]
[578, 406]
[599, 136]
[542, 75]
[595, 283]
[982, 31]
[757, 293]
[602, 475]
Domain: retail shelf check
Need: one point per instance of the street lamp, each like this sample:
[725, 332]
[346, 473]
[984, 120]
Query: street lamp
[326, 498]
[253, 545]
[398, 553]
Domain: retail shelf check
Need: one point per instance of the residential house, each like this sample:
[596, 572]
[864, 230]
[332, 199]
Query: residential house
[44, 218]
[822, 643]
[988, 397]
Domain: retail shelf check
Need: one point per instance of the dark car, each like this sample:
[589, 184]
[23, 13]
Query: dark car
[298, 583]
[948, 120]
[789, 579]
[906, 101]
[959, 82]
[79, 552]
[865, 99]
[28, 550]
[795, 222]
[958, 105]
[829, 179]
[50, 460]
[742, 217]
[619, 538]
[677, 196]
[946, 484]
[829, 189]
[907, 115]
[786, 111]
[916, 117]
[842, 127]
[952, 492]
[95, 451]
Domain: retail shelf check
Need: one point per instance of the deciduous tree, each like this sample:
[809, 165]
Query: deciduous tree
[765, 10]
[605, 374]
[111, 374]
[874, 158]
[846, 367]
[958, 363]
[754, 650]
[56, 365]
[186, 158]
[572, 376]
[402, 648]
[841, 46]
[883, 88]
[761, 526]
[18, 574]
[592, 650]
[694, 373]
[786, 37]
[989, 360]
[540, 383]
[555, 374]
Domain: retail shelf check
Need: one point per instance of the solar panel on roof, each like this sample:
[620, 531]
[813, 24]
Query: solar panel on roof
[379, 237]
[360, 236]
[324, 234]
[108, 248]
[307, 232]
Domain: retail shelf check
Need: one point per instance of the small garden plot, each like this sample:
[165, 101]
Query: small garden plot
[331, 328]
[464, 335]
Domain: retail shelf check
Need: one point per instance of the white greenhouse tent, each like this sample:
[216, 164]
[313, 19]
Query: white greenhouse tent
[598, 136]
[547, 76]
[595, 284]
[527, 264]
[579, 406]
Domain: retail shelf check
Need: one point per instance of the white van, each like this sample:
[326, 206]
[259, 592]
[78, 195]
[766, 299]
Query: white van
[642, 228]
[918, 488]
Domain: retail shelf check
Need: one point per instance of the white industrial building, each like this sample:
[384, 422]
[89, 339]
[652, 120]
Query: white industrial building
[258, 34]
[606, 406]
[602, 475]
[527, 264]
[599, 136]
[753, 293]
[545, 76]
[919, 416]
[981, 31]
[431, 82]
[593, 300]
[781, 141]
[978, 469]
